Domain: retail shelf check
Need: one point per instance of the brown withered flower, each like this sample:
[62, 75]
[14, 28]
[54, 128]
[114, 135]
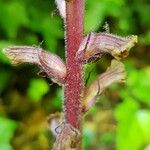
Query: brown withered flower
[94, 45]
[114, 73]
[49, 63]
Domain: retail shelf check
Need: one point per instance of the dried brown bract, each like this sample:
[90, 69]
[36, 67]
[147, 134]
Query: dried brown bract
[67, 139]
[115, 73]
[95, 45]
[49, 63]
[53, 66]
[54, 121]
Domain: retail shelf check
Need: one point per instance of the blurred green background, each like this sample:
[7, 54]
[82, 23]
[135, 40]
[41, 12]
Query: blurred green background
[121, 118]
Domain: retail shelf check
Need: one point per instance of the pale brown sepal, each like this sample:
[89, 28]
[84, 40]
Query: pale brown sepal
[115, 73]
[67, 139]
[49, 63]
[54, 122]
[95, 45]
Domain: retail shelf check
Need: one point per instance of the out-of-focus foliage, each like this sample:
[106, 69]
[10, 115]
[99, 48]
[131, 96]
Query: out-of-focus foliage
[7, 128]
[41, 89]
[121, 118]
[132, 114]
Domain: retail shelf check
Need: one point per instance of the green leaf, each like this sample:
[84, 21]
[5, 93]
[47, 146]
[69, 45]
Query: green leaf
[37, 89]
[13, 15]
[107, 138]
[52, 31]
[4, 79]
[138, 83]
[88, 136]
[56, 101]
[145, 38]
[90, 73]
[129, 133]
[3, 57]
[143, 117]
[128, 106]
[7, 129]
[97, 10]
[5, 146]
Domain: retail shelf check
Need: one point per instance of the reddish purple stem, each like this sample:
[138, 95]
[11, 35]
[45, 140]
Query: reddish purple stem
[74, 80]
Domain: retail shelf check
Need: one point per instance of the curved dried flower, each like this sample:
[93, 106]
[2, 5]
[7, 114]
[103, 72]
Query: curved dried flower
[115, 73]
[68, 138]
[50, 64]
[54, 122]
[53, 66]
[21, 54]
[95, 45]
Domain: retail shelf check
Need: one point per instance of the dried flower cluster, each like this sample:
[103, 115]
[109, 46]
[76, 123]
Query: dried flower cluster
[49, 63]
[95, 45]
[92, 48]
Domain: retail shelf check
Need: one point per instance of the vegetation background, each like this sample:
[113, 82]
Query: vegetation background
[121, 118]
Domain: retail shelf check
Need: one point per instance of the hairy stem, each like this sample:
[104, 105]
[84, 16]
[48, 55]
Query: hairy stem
[74, 80]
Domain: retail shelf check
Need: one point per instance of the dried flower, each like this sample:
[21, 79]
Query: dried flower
[68, 138]
[49, 63]
[53, 66]
[54, 122]
[115, 73]
[95, 45]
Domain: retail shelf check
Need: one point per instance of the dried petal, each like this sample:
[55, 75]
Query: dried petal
[115, 73]
[54, 121]
[95, 45]
[50, 64]
[61, 5]
[53, 66]
[21, 54]
[68, 138]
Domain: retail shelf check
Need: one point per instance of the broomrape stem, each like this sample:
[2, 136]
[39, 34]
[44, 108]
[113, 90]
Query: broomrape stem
[74, 80]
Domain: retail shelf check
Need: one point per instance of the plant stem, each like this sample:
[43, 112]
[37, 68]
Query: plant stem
[74, 80]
